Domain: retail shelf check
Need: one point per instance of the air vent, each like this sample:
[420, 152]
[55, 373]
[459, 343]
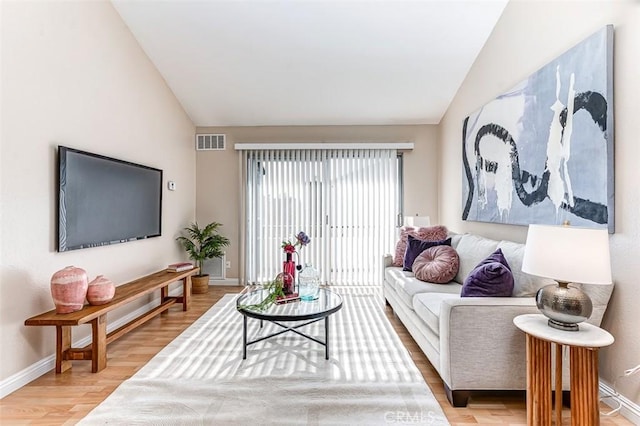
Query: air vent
[215, 267]
[210, 142]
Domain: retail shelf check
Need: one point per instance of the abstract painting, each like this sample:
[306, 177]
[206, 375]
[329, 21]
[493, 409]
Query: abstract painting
[543, 151]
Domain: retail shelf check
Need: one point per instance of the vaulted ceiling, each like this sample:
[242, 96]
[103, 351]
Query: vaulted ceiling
[304, 62]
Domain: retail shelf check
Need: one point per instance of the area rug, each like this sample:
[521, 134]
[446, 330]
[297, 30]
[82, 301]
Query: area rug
[200, 378]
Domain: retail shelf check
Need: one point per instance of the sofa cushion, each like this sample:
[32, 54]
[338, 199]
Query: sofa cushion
[416, 246]
[491, 278]
[524, 285]
[433, 233]
[427, 307]
[599, 295]
[472, 249]
[455, 239]
[407, 286]
[438, 264]
[393, 275]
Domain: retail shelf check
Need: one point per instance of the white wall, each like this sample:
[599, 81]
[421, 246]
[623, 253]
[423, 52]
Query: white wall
[221, 202]
[528, 35]
[73, 74]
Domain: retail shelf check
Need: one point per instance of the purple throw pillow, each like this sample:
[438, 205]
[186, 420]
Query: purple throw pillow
[416, 246]
[491, 278]
[432, 233]
[496, 256]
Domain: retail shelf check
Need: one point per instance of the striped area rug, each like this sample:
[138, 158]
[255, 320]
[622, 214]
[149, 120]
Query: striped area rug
[201, 379]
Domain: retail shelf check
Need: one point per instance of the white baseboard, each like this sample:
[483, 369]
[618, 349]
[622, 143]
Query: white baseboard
[21, 378]
[37, 369]
[225, 281]
[628, 409]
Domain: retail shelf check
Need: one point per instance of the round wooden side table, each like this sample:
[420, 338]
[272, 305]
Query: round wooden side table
[583, 369]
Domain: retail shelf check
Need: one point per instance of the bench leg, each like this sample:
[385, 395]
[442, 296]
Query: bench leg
[164, 294]
[186, 292]
[99, 344]
[63, 344]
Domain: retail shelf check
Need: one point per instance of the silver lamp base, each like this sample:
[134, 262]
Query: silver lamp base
[565, 306]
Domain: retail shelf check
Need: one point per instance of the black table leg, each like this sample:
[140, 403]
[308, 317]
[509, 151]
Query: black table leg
[326, 337]
[244, 337]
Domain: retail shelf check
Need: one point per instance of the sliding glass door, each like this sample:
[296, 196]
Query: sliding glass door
[347, 201]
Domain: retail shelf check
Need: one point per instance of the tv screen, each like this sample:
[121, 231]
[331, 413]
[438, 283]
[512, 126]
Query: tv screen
[104, 201]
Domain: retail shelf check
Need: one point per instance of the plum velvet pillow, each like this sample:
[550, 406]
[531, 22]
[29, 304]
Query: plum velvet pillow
[490, 278]
[416, 246]
[437, 264]
[432, 233]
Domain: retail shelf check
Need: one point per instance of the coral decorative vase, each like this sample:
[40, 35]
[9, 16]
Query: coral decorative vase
[100, 291]
[69, 289]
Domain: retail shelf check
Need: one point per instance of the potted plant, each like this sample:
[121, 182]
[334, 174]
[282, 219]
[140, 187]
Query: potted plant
[201, 244]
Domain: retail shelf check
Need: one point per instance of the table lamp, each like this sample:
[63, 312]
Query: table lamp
[568, 255]
[417, 221]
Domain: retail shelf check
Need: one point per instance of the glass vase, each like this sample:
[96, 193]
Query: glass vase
[289, 268]
[308, 283]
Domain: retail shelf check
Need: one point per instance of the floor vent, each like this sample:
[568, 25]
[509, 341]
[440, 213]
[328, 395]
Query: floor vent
[210, 142]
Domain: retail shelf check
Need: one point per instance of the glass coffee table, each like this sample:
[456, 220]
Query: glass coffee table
[327, 303]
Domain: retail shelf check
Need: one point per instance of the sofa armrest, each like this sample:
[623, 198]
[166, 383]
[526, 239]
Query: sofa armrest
[387, 260]
[480, 347]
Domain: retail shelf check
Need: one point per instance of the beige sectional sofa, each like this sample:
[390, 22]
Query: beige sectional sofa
[471, 341]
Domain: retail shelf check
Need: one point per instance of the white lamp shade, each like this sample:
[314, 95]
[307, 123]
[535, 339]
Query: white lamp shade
[417, 221]
[568, 254]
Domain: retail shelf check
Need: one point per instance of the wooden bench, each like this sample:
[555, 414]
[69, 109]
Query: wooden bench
[97, 316]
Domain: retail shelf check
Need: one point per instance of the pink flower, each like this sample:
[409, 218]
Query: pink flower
[302, 240]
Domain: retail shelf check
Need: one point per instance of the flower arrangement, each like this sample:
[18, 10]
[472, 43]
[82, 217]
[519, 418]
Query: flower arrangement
[301, 240]
[289, 266]
[281, 286]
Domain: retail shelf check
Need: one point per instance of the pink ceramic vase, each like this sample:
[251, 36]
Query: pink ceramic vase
[101, 291]
[69, 289]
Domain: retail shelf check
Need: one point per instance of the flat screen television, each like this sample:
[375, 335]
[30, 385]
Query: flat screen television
[103, 200]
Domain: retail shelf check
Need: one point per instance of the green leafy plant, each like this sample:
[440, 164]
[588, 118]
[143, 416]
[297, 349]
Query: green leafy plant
[274, 290]
[203, 243]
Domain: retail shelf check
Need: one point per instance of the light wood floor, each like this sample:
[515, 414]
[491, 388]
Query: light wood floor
[64, 399]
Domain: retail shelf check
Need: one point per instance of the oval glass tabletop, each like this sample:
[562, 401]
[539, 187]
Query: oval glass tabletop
[327, 303]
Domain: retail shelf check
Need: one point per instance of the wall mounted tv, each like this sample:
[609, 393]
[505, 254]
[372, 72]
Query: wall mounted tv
[104, 201]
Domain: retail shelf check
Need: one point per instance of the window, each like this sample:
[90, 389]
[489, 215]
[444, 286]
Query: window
[347, 200]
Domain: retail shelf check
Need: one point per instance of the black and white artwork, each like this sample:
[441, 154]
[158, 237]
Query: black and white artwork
[543, 151]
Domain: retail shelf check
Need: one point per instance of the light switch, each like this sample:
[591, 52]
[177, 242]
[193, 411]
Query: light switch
[171, 185]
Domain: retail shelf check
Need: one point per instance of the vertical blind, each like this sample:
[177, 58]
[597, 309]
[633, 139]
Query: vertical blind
[346, 200]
